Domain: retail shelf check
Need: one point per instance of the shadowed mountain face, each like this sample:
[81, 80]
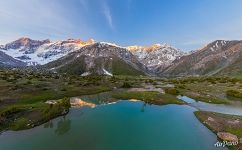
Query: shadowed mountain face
[217, 58]
[8, 61]
[100, 59]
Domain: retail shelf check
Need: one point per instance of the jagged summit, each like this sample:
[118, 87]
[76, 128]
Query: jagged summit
[99, 58]
[41, 52]
[149, 48]
[157, 55]
[218, 57]
[26, 44]
[44, 51]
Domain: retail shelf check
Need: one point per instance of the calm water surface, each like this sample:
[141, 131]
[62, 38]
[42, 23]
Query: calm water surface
[219, 108]
[123, 125]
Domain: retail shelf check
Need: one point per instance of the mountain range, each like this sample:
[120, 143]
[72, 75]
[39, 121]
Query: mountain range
[217, 58]
[80, 57]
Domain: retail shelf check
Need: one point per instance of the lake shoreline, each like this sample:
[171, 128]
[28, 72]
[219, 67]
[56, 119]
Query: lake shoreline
[231, 124]
[127, 117]
[149, 97]
[149, 101]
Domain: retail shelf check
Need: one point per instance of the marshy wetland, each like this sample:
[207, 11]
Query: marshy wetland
[130, 113]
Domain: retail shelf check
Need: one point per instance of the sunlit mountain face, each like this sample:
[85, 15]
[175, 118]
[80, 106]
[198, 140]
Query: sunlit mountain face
[35, 52]
[40, 52]
[156, 55]
[218, 57]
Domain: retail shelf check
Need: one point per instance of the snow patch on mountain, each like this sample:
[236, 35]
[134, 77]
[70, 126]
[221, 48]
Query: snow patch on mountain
[110, 44]
[85, 74]
[35, 52]
[7, 60]
[156, 55]
[107, 73]
[216, 45]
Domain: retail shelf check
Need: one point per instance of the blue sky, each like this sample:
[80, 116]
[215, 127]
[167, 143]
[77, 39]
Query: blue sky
[185, 24]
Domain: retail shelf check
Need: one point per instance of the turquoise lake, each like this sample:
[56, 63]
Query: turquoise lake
[124, 125]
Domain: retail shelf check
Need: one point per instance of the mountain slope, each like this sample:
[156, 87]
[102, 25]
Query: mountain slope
[156, 56]
[8, 61]
[89, 57]
[99, 59]
[35, 52]
[234, 69]
[211, 60]
[41, 52]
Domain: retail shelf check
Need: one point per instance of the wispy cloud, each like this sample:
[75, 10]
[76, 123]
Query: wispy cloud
[21, 18]
[30, 17]
[108, 15]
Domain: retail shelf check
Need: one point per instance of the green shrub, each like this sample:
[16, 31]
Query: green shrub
[57, 109]
[65, 102]
[10, 110]
[45, 88]
[126, 85]
[172, 91]
[234, 93]
[181, 86]
[63, 89]
[20, 124]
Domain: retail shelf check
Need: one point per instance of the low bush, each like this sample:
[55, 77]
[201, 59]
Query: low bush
[126, 85]
[234, 93]
[19, 124]
[172, 91]
[181, 86]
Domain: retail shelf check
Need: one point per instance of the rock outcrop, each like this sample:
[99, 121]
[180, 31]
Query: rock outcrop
[225, 136]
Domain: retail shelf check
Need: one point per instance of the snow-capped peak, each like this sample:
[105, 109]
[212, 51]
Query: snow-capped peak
[214, 46]
[149, 48]
[35, 52]
[110, 44]
[156, 55]
[40, 52]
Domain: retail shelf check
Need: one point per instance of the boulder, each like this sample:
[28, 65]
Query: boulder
[78, 102]
[51, 102]
[210, 119]
[234, 121]
[225, 136]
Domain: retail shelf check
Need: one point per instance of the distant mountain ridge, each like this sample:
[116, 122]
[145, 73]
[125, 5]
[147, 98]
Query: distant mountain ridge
[90, 57]
[100, 59]
[35, 52]
[41, 52]
[157, 55]
[216, 58]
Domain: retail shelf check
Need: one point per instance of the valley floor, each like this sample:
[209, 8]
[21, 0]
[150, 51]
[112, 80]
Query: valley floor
[28, 99]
